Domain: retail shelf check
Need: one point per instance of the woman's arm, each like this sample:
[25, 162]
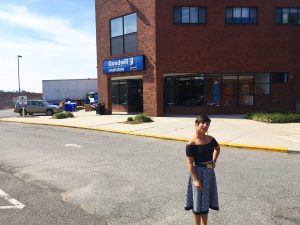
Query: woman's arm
[192, 171]
[217, 150]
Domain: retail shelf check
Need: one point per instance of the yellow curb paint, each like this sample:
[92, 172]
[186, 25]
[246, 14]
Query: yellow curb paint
[255, 147]
[223, 144]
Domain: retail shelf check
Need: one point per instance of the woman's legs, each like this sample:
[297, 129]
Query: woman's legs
[204, 219]
[200, 219]
[196, 219]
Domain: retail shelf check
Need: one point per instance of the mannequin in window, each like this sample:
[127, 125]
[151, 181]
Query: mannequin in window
[216, 93]
[226, 94]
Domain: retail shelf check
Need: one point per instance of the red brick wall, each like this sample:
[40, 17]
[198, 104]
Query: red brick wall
[211, 48]
[146, 46]
[220, 48]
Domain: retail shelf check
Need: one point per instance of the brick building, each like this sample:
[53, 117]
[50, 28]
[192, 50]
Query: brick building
[198, 56]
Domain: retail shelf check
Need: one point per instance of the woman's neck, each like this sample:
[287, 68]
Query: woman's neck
[201, 136]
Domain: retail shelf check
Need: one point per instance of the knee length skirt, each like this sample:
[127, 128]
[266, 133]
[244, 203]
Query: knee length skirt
[200, 200]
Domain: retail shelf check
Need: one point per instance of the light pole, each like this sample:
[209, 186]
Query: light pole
[19, 56]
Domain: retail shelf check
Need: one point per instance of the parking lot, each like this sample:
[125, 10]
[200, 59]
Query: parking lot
[120, 179]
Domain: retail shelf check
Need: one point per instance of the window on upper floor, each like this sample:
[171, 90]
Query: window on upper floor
[123, 34]
[189, 15]
[287, 15]
[241, 15]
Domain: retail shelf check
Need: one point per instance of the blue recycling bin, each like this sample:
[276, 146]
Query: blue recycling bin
[70, 107]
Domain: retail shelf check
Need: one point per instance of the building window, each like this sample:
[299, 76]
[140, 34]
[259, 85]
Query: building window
[123, 34]
[217, 90]
[189, 15]
[197, 90]
[229, 89]
[119, 92]
[184, 90]
[241, 15]
[287, 15]
[213, 89]
[262, 83]
[246, 89]
[279, 78]
[171, 90]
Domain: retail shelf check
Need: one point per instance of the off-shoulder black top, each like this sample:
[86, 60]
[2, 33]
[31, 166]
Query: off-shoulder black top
[202, 153]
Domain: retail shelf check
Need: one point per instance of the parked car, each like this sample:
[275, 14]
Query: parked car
[37, 106]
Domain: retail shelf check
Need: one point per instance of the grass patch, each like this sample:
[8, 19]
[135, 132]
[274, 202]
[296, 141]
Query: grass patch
[62, 115]
[274, 117]
[140, 118]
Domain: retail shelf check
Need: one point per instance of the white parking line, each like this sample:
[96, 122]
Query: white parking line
[73, 145]
[15, 204]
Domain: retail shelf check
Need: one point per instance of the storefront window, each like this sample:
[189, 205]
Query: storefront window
[197, 90]
[184, 90]
[184, 85]
[262, 83]
[115, 92]
[217, 90]
[213, 89]
[246, 89]
[171, 90]
[123, 92]
[119, 92]
[229, 89]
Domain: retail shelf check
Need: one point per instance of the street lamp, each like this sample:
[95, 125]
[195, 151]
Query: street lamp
[19, 56]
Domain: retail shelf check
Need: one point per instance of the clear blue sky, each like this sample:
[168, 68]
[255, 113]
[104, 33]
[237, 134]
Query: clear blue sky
[56, 38]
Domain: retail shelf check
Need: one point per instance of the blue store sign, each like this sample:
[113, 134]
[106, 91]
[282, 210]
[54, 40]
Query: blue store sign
[123, 64]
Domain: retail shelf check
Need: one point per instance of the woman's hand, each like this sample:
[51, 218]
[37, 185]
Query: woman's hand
[197, 184]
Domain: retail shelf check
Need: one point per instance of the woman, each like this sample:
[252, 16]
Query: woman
[202, 152]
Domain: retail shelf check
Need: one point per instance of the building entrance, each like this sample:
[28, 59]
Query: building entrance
[135, 95]
[127, 95]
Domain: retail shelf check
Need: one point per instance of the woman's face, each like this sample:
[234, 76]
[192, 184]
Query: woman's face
[202, 127]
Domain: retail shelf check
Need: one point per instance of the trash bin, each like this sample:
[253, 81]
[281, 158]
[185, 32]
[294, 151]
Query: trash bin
[70, 107]
[97, 108]
[101, 108]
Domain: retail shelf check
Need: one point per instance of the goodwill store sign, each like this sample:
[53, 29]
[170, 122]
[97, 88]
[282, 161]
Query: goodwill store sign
[124, 64]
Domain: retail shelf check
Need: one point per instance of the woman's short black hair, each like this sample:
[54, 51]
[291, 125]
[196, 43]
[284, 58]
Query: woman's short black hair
[202, 119]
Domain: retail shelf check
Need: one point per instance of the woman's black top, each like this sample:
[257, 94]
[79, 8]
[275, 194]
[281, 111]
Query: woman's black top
[201, 153]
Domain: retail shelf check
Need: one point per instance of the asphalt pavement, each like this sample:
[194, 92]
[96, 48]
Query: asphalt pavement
[229, 130]
[66, 176]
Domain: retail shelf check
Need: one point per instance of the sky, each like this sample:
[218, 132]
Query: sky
[56, 39]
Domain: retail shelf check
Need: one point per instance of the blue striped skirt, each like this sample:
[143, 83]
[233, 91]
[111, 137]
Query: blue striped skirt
[201, 200]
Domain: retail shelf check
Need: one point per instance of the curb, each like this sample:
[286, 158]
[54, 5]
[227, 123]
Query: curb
[222, 144]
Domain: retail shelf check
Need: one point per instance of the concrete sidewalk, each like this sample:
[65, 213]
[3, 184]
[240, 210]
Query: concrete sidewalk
[229, 130]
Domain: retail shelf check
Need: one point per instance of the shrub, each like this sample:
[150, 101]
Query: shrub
[69, 114]
[129, 119]
[274, 117]
[62, 115]
[143, 118]
[140, 118]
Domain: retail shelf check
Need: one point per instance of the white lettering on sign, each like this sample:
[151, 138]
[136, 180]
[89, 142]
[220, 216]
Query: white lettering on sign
[118, 63]
[116, 70]
[15, 204]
